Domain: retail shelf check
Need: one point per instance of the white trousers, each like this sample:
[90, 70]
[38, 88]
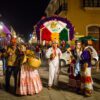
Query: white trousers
[53, 72]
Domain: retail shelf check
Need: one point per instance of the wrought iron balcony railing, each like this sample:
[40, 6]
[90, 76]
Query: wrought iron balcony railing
[91, 3]
[62, 7]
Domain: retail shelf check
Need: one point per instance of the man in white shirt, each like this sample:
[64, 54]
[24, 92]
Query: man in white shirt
[53, 54]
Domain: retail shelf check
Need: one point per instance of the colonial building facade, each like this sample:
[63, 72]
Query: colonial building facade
[83, 14]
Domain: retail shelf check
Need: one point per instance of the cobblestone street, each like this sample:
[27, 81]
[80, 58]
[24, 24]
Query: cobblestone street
[63, 92]
[49, 49]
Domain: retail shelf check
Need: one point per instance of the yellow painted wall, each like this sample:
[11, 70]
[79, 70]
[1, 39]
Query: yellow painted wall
[80, 18]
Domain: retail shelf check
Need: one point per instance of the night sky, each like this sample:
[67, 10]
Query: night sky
[22, 14]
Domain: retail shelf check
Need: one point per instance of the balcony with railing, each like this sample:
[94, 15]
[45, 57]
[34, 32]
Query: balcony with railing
[56, 7]
[62, 7]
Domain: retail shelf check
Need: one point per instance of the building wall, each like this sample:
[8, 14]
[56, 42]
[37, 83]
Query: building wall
[80, 17]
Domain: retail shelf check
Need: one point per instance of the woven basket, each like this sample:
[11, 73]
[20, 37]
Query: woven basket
[34, 62]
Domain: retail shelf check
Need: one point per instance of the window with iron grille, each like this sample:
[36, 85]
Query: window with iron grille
[62, 6]
[91, 3]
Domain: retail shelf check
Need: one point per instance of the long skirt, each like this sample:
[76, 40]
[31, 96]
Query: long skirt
[86, 81]
[72, 80]
[29, 81]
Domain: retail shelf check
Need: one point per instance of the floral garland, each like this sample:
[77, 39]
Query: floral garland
[68, 26]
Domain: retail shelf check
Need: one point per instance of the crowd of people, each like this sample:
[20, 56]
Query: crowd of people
[27, 80]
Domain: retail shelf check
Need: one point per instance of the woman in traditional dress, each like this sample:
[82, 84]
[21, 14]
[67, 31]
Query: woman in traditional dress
[71, 65]
[29, 79]
[77, 53]
[86, 78]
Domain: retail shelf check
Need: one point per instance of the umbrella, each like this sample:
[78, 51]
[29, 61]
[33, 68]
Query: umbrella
[86, 38]
[6, 30]
[91, 38]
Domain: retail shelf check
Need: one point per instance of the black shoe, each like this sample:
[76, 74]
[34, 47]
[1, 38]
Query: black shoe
[49, 88]
[78, 90]
[7, 89]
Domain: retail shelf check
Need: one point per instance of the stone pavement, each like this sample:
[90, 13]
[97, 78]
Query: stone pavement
[62, 93]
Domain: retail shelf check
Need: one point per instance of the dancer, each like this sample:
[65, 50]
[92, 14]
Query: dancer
[53, 54]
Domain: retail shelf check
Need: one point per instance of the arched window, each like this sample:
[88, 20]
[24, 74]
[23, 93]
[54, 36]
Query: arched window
[94, 30]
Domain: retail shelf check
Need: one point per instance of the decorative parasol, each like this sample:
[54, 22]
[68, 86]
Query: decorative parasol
[4, 28]
[4, 34]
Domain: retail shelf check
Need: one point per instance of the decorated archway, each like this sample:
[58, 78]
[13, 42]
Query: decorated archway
[54, 28]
